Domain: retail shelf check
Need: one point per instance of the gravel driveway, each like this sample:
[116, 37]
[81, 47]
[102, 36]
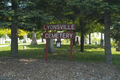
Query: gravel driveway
[38, 69]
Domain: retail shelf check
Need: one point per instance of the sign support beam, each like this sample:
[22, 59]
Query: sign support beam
[71, 40]
[46, 48]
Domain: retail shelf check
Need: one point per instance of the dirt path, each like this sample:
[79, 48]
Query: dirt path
[37, 69]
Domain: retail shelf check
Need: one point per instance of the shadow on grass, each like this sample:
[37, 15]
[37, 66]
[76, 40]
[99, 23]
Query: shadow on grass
[116, 60]
[5, 53]
[91, 54]
[96, 56]
[36, 46]
[92, 46]
[32, 51]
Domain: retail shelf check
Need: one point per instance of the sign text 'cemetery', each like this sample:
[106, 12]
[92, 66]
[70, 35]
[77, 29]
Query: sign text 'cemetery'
[59, 35]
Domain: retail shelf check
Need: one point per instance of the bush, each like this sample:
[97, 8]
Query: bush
[113, 44]
[63, 41]
[95, 41]
[7, 41]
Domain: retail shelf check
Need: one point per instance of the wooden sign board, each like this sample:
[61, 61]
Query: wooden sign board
[69, 35]
[59, 27]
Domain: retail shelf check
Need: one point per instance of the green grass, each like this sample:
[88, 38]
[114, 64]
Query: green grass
[5, 44]
[93, 53]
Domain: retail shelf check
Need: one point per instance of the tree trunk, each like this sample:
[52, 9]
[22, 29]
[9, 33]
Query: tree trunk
[119, 43]
[89, 38]
[108, 55]
[74, 42]
[14, 40]
[101, 42]
[82, 40]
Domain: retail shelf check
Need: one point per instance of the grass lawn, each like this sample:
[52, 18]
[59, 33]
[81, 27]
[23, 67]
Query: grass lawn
[93, 53]
[5, 44]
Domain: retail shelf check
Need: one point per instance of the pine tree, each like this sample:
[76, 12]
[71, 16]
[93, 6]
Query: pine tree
[20, 15]
[106, 8]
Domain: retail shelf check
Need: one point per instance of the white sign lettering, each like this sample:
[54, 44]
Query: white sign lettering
[59, 35]
[59, 27]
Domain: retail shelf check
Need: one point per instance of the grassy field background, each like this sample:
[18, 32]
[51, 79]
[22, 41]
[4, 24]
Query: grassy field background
[93, 53]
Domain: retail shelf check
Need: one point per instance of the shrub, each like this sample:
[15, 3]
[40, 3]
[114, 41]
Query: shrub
[113, 43]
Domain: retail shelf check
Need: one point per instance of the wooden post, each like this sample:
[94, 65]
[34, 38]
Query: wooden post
[71, 48]
[46, 48]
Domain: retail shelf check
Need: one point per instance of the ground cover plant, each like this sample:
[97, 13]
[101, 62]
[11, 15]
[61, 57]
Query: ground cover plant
[93, 53]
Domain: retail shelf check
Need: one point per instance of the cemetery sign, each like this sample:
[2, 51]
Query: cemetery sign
[67, 35]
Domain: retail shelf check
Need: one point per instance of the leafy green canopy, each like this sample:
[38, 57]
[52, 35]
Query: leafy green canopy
[91, 12]
[115, 29]
[26, 15]
[85, 15]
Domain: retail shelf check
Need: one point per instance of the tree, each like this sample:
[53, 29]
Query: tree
[115, 30]
[14, 27]
[103, 8]
[87, 17]
[9, 18]
[20, 16]
[112, 8]
[108, 55]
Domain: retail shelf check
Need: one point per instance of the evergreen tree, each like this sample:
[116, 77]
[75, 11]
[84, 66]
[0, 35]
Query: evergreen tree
[106, 8]
[115, 30]
[20, 15]
[111, 8]
[87, 17]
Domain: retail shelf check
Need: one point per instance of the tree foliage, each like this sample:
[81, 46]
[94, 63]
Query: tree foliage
[115, 29]
[88, 15]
